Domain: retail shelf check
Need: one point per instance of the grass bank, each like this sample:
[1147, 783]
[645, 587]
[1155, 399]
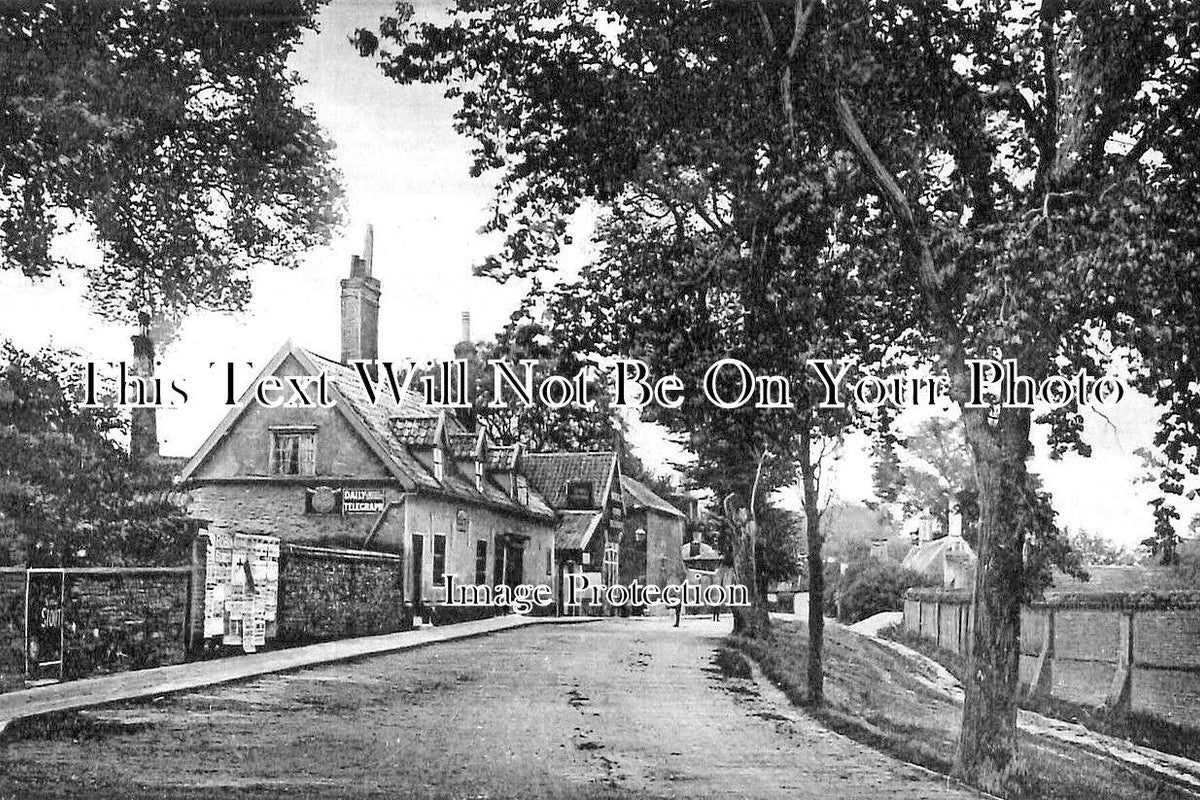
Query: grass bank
[1140, 729]
[882, 698]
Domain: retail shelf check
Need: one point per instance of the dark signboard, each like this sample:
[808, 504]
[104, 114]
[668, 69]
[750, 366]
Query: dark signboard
[44, 625]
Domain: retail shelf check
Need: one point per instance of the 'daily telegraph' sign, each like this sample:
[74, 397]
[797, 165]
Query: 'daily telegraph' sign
[362, 501]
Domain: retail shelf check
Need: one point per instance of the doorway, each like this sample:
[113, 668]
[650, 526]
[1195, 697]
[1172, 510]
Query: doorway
[514, 568]
[418, 575]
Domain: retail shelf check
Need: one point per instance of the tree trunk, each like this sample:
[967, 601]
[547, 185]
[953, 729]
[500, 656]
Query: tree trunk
[986, 755]
[816, 612]
[143, 422]
[752, 620]
[816, 568]
[987, 744]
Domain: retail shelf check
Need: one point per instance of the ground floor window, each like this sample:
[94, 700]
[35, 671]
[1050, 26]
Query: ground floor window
[481, 562]
[612, 560]
[439, 558]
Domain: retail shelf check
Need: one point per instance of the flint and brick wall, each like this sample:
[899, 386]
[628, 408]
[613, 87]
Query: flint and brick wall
[12, 628]
[333, 594]
[1124, 651]
[114, 619]
[278, 510]
[118, 619]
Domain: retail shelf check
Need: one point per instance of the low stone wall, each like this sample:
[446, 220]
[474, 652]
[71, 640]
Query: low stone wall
[327, 593]
[1126, 651]
[112, 619]
[119, 619]
[12, 628]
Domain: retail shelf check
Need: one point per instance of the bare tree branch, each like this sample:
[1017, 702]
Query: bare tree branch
[932, 280]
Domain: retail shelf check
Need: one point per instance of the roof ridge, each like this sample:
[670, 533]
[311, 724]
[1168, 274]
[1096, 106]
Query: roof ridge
[411, 393]
[317, 355]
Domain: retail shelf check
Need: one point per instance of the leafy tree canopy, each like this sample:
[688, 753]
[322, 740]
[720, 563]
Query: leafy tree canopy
[1031, 193]
[538, 426]
[69, 495]
[1099, 550]
[170, 132]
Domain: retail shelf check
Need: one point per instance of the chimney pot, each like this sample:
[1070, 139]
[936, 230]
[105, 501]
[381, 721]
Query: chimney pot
[368, 251]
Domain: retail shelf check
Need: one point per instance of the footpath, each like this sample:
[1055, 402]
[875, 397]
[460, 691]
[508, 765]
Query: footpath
[134, 684]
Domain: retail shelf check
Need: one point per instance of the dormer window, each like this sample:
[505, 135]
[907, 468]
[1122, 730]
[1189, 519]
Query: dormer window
[479, 476]
[294, 451]
[579, 494]
[439, 464]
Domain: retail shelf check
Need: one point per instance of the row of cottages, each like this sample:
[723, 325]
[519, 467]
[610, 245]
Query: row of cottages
[406, 478]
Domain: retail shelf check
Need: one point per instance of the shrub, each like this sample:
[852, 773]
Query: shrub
[870, 586]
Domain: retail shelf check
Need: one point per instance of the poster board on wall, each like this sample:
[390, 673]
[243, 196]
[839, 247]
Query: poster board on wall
[241, 589]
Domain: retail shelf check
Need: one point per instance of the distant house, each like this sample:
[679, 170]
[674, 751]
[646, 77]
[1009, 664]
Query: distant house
[700, 560]
[653, 555]
[892, 548]
[948, 561]
[585, 488]
[704, 566]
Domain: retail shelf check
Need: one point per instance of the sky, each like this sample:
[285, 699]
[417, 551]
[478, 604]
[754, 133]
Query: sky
[406, 172]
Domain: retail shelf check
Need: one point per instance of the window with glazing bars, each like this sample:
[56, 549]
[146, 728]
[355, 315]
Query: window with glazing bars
[293, 452]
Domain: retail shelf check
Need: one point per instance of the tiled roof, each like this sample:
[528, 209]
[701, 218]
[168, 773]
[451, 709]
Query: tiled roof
[576, 529]
[398, 426]
[415, 431]
[549, 473]
[464, 445]
[378, 415]
[502, 458]
[699, 551]
[393, 428]
[927, 558]
[638, 495]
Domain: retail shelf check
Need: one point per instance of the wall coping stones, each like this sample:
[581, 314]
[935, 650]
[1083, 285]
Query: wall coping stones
[337, 552]
[1145, 600]
[932, 594]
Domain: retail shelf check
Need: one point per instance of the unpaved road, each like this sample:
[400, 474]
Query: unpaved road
[613, 709]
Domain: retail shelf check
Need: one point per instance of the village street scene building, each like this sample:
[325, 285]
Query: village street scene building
[410, 479]
[461, 399]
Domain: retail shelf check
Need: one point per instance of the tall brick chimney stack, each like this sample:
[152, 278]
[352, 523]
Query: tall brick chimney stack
[466, 346]
[465, 351]
[360, 307]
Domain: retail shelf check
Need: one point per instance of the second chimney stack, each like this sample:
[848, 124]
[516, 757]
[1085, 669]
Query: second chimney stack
[360, 307]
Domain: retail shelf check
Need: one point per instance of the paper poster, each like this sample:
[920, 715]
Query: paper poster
[241, 590]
